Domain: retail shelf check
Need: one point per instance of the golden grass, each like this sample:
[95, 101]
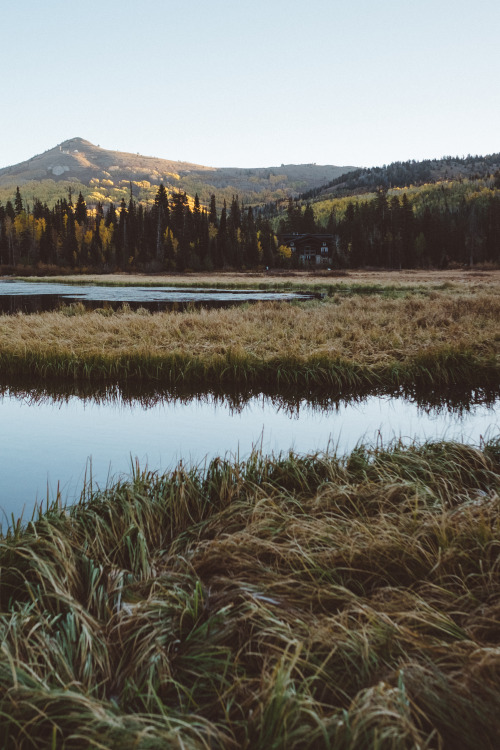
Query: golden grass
[367, 330]
[443, 336]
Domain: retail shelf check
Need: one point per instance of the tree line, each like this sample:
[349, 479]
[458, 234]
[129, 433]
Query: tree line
[175, 233]
[432, 228]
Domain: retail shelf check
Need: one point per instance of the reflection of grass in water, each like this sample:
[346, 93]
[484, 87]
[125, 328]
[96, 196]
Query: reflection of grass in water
[287, 602]
[342, 344]
[146, 395]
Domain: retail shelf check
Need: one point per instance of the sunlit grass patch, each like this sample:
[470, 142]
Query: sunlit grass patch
[340, 344]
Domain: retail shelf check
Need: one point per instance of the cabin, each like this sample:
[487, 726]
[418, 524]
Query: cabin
[311, 249]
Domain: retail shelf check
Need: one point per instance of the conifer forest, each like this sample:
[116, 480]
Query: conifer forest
[437, 225]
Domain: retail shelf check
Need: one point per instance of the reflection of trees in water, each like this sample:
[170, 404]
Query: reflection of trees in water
[455, 401]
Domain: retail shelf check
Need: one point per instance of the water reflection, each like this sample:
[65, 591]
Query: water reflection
[53, 438]
[456, 401]
[33, 297]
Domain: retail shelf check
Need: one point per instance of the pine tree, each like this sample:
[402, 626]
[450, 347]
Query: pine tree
[220, 256]
[9, 210]
[120, 234]
[69, 244]
[46, 246]
[251, 246]
[161, 213]
[407, 233]
[294, 217]
[18, 203]
[96, 246]
[4, 244]
[110, 215]
[212, 214]
[81, 210]
[308, 220]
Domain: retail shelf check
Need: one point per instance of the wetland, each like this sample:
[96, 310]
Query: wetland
[60, 445]
[305, 552]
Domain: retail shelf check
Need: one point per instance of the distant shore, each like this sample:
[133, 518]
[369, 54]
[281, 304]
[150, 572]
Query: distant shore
[406, 277]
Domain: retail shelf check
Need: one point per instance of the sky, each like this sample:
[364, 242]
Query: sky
[252, 84]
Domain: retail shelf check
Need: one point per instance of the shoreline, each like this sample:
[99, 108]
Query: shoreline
[383, 338]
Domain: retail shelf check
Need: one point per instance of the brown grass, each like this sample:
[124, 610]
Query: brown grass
[368, 330]
[376, 339]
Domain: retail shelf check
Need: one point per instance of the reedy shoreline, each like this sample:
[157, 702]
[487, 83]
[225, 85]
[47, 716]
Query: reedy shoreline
[343, 343]
[315, 602]
[292, 602]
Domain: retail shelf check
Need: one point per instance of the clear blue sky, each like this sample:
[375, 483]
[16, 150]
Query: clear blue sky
[225, 83]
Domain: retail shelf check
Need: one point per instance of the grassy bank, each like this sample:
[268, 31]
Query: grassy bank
[314, 602]
[344, 343]
[410, 278]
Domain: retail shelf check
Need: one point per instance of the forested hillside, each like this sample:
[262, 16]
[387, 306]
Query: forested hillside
[408, 173]
[437, 225]
[434, 225]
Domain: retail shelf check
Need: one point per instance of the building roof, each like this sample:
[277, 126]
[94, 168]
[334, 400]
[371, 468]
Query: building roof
[299, 238]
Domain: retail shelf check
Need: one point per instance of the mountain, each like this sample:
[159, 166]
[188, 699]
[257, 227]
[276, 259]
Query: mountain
[106, 175]
[78, 159]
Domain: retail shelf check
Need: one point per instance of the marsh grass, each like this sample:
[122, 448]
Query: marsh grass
[277, 602]
[344, 343]
[409, 279]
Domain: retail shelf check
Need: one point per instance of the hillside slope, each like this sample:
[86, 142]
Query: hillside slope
[106, 175]
[404, 174]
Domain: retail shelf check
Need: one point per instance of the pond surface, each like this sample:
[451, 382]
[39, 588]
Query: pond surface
[32, 297]
[48, 442]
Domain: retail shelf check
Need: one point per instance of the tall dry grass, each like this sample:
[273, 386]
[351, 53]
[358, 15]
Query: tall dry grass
[288, 602]
[437, 338]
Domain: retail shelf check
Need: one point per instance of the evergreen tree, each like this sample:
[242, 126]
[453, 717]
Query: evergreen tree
[212, 214]
[121, 234]
[251, 256]
[4, 244]
[267, 242]
[308, 220]
[407, 233]
[18, 203]
[46, 248]
[110, 217]
[9, 210]
[96, 256]
[294, 217]
[81, 210]
[162, 219]
[220, 255]
[69, 244]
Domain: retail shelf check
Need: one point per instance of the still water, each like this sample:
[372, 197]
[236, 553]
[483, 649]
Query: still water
[49, 443]
[32, 297]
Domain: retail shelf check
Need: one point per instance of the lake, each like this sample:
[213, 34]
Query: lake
[50, 442]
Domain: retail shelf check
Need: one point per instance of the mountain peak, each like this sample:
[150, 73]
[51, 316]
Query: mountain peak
[102, 175]
[76, 144]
